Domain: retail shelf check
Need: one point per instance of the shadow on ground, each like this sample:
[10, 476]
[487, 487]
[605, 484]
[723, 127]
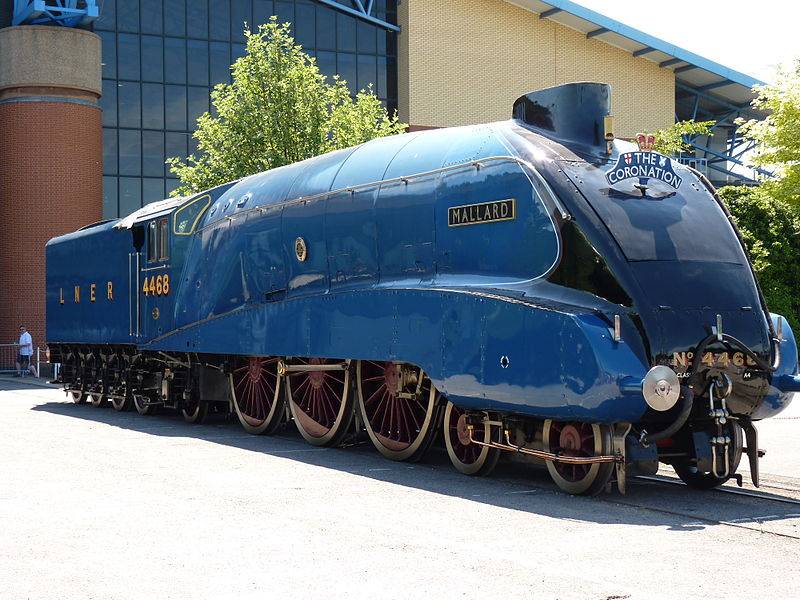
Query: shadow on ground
[514, 485]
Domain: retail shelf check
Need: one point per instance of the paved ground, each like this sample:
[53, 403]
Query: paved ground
[99, 504]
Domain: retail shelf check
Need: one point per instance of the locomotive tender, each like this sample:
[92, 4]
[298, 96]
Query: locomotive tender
[531, 286]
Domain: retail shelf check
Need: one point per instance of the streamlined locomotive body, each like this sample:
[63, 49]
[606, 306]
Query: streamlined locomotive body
[531, 286]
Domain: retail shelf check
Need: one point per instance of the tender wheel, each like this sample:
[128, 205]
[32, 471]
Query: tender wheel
[399, 407]
[320, 402]
[77, 396]
[578, 439]
[469, 458]
[97, 398]
[121, 399]
[700, 480]
[195, 412]
[142, 406]
[257, 394]
[121, 403]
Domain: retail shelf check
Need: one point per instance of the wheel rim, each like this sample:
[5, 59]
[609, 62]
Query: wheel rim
[190, 411]
[457, 437]
[318, 400]
[140, 405]
[255, 386]
[467, 457]
[72, 370]
[116, 374]
[580, 440]
[397, 402]
[572, 439]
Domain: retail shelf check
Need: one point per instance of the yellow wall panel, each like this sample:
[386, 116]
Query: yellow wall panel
[466, 61]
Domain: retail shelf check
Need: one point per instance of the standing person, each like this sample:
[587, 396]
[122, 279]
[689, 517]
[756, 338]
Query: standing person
[25, 352]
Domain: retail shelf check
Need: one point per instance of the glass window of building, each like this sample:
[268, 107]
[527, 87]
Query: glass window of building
[162, 57]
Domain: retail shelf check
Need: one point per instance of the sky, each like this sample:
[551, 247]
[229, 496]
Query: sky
[752, 37]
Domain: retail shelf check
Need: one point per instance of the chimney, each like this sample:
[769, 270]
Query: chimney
[573, 112]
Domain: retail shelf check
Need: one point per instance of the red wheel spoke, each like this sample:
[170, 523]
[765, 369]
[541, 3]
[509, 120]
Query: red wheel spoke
[306, 381]
[387, 403]
[265, 396]
[331, 375]
[381, 408]
[266, 382]
[372, 397]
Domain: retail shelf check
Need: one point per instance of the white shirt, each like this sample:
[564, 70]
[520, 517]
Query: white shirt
[26, 344]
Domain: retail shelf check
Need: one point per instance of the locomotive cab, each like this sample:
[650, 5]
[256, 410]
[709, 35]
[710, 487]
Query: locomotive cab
[156, 271]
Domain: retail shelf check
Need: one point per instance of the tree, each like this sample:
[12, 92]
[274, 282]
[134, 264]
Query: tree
[279, 109]
[771, 231]
[671, 140]
[778, 134]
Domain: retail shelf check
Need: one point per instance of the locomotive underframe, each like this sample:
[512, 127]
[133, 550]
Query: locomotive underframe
[581, 457]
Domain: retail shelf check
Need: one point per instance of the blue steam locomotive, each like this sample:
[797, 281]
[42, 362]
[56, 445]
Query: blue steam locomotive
[532, 286]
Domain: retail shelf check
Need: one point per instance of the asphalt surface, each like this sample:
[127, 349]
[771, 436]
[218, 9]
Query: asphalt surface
[106, 505]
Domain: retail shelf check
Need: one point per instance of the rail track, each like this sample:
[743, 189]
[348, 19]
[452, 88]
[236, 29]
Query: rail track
[750, 493]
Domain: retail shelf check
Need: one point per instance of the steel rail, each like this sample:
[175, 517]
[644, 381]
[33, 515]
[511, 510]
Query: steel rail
[723, 490]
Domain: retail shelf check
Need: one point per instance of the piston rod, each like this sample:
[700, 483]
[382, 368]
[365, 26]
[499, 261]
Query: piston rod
[283, 368]
[551, 456]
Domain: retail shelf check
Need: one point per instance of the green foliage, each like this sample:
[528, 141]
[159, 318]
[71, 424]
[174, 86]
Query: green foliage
[669, 140]
[279, 109]
[771, 231]
[778, 135]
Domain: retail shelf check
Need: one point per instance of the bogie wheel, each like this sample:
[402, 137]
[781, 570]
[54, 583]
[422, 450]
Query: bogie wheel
[399, 408]
[142, 406]
[700, 480]
[257, 394]
[578, 439]
[468, 457]
[321, 402]
[195, 412]
[77, 396]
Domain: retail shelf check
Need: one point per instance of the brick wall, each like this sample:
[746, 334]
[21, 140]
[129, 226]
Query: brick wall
[466, 61]
[50, 184]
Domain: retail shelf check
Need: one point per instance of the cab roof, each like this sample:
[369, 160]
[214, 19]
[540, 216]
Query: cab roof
[149, 211]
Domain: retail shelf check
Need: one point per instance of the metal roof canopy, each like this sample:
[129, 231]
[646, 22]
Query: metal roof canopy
[704, 89]
[69, 13]
[363, 9]
[689, 68]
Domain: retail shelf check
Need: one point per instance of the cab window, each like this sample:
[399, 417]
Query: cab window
[188, 216]
[158, 240]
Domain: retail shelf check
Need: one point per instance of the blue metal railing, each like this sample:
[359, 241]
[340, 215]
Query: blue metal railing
[68, 13]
